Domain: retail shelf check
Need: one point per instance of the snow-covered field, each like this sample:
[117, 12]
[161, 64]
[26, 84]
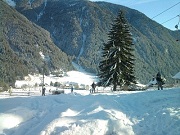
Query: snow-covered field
[150, 112]
[80, 113]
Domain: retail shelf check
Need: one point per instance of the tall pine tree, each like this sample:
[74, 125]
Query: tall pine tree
[117, 67]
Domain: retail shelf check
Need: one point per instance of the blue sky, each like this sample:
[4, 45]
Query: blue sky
[151, 8]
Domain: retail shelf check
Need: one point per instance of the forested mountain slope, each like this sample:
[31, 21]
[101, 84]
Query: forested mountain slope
[23, 45]
[80, 27]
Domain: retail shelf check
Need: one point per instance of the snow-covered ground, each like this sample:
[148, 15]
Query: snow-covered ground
[80, 113]
[150, 112]
[70, 78]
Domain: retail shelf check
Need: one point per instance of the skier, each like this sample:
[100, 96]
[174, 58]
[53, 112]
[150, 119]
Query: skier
[159, 81]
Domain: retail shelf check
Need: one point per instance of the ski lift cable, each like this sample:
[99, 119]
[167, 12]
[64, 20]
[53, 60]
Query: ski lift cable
[170, 19]
[176, 26]
[165, 10]
[179, 19]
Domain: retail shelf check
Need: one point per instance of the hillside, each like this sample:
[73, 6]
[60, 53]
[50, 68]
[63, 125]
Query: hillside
[79, 28]
[23, 45]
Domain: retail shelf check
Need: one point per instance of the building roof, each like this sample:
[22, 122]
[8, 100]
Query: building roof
[177, 76]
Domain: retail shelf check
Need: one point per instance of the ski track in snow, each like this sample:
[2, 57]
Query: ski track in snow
[118, 113]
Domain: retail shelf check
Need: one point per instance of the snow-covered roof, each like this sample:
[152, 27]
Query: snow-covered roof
[177, 76]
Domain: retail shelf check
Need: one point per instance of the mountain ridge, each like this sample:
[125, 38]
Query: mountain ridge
[79, 28]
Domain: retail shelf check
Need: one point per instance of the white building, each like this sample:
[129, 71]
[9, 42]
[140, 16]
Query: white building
[177, 77]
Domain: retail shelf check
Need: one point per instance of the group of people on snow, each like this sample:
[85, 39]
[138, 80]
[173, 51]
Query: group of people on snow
[158, 79]
[92, 90]
[159, 82]
[44, 89]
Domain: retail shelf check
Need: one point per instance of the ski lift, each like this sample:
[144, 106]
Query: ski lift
[176, 26]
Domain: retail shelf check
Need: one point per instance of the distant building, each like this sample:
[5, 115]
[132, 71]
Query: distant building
[28, 81]
[20, 83]
[177, 78]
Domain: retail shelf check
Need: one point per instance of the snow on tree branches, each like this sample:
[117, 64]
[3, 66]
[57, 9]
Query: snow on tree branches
[117, 67]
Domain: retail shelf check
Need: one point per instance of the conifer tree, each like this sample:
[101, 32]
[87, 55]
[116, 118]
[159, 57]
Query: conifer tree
[117, 67]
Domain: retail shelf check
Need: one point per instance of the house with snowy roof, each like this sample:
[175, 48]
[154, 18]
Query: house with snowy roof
[177, 77]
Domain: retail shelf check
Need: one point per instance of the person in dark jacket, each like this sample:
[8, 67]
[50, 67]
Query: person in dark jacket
[159, 81]
[43, 91]
[93, 87]
[72, 88]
